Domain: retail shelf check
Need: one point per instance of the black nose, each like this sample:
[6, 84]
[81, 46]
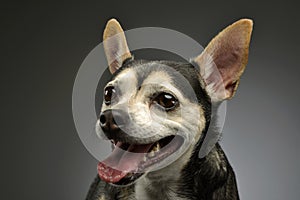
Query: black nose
[112, 120]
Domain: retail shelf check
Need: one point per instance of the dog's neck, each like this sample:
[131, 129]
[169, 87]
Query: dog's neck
[168, 182]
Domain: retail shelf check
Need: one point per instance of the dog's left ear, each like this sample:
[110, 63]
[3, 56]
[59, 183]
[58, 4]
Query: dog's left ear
[115, 45]
[224, 59]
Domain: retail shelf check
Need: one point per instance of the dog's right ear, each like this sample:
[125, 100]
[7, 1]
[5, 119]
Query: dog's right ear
[115, 45]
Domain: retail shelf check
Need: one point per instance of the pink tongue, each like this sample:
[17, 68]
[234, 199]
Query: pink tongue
[121, 162]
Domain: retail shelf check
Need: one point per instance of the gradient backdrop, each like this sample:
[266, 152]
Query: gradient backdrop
[43, 45]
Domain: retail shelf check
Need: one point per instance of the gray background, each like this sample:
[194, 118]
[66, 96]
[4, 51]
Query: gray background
[43, 45]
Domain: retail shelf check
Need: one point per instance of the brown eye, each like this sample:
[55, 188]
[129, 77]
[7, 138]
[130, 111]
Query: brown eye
[109, 94]
[166, 100]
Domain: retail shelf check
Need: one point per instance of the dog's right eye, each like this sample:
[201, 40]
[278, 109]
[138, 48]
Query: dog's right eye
[109, 94]
[166, 100]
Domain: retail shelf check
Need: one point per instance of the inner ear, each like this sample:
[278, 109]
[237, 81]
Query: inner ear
[224, 59]
[115, 45]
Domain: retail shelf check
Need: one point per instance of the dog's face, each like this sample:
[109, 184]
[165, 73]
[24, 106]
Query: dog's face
[155, 112]
[151, 109]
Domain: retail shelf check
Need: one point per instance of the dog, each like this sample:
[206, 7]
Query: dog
[157, 115]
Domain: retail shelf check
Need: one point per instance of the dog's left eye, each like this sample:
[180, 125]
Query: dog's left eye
[109, 94]
[166, 100]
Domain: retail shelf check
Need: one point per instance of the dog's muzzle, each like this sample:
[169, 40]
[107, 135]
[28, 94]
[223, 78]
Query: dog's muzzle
[111, 121]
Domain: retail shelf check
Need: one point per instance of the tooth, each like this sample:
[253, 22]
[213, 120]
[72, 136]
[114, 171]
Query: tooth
[156, 148]
[145, 158]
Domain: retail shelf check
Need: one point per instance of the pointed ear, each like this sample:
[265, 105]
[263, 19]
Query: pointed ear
[115, 45]
[224, 59]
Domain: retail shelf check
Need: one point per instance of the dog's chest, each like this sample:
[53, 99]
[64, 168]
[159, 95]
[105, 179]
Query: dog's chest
[147, 190]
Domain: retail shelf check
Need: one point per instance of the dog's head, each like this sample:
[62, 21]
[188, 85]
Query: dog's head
[155, 112]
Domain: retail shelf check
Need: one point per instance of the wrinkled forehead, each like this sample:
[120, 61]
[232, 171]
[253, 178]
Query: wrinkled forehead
[155, 76]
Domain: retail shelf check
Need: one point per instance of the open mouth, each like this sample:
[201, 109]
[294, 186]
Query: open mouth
[128, 162]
